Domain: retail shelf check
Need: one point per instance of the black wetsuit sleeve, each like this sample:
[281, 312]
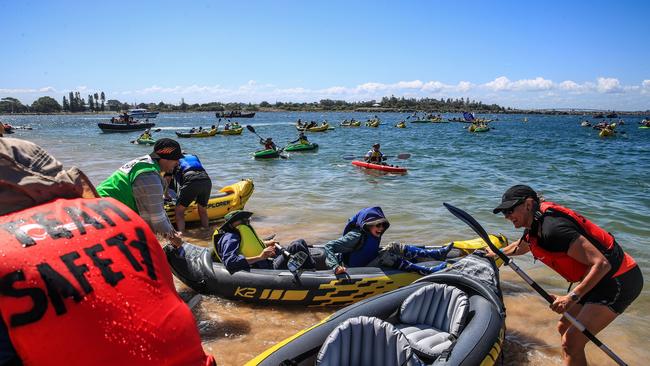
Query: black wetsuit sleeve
[557, 233]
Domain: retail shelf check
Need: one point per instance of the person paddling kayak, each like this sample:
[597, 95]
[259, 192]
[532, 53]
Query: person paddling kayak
[268, 144]
[580, 251]
[302, 139]
[375, 155]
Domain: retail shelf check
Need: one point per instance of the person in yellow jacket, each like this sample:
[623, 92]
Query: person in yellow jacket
[239, 248]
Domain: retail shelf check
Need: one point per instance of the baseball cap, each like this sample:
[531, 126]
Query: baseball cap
[514, 196]
[166, 148]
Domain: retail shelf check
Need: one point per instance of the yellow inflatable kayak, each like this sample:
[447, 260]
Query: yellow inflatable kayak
[232, 131]
[208, 133]
[229, 198]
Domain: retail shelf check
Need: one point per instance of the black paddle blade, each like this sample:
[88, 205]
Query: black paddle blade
[250, 128]
[471, 222]
[296, 261]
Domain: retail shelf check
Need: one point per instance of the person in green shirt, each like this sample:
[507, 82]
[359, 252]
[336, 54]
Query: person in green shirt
[139, 185]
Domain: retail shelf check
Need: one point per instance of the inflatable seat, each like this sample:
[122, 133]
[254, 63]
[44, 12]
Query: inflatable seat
[432, 318]
[365, 341]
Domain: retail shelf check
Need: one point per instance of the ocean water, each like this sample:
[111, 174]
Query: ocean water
[311, 195]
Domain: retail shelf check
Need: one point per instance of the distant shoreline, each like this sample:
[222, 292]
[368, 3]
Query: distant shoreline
[361, 110]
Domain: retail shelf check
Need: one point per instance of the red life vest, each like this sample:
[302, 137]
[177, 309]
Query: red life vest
[85, 282]
[569, 268]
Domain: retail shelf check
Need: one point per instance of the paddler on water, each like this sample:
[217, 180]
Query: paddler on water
[580, 251]
[375, 156]
[268, 144]
[360, 247]
[85, 282]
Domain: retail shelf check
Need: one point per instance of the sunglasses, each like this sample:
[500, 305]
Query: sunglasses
[381, 224]
[509, 211]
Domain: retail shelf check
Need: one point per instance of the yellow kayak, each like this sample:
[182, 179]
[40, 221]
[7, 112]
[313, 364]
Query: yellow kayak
[232, 131]
[229, 198]
[401, 125]
[208, 133]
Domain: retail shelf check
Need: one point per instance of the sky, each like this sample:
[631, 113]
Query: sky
[531, 54]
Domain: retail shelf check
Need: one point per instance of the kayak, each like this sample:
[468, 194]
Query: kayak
[481, 129]
[606, 133]
[145, 141]
[266, 154]
[431, 120]
[401, 125]
[383, 168]
[232, 131]
[208, 133]
[196, 267]
[644, 127]
[351, 124]
[301, 147]
[229, 198]
[320, 128]
[372, 123]
[452, 317]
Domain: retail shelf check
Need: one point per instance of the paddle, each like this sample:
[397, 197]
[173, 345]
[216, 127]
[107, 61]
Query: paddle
[469, 220]
[251, 129]
[402, 156]
[296, 261]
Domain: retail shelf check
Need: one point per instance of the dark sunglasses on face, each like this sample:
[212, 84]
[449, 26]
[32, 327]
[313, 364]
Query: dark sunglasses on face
[510, 210]
[381, 224]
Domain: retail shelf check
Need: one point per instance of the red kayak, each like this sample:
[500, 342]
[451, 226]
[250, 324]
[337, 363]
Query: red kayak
[383, 168]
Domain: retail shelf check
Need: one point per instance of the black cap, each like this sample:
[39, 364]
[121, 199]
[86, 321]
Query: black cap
[167, 149]
[514, 196]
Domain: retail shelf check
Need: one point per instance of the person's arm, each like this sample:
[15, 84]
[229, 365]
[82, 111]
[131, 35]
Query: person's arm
[518, 247]
[233, 260]
[586, 253]
[148, 194]
[345, 244]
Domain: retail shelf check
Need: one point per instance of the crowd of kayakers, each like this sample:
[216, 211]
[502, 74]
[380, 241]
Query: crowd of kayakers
[97, 249]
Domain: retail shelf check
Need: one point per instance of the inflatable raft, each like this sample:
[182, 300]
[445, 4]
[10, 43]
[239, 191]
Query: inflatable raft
[196, 267]
[229, 198]
[453, 317]
[208, 133]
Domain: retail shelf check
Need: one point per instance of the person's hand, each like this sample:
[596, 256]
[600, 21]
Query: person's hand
[561, 303]
[270, 242]
[340, 270]
[489, 253]
[268, 252]
[176, 239]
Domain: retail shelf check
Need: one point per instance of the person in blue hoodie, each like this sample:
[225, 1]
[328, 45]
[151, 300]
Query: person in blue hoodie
[360, 247]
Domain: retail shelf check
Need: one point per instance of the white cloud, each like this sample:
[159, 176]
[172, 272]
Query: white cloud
[415, 84]
[570, 85]
[602, 92]
[464, 86]
[608, 85]
[434, 86]
[502, 83]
